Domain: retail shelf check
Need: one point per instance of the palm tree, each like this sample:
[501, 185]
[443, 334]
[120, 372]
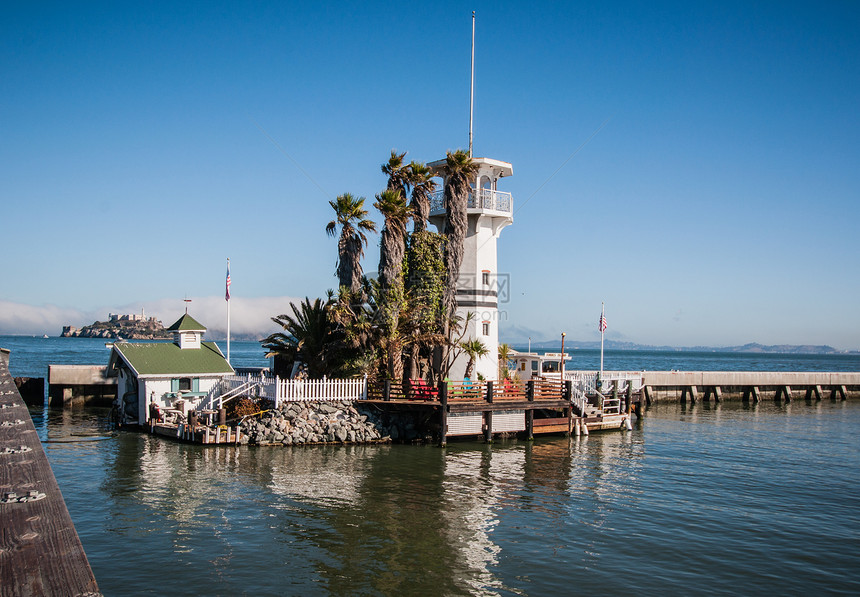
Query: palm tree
[392, 300]
[474, 349]
[396, 172]
[306, 337]
[505, 354]
[420, 178]
[459, 168]
[392, 248]
[354, 327]
[351, 216]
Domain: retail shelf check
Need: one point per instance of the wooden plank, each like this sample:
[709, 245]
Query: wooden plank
[551, 428]
[549, 422]
[40, 552]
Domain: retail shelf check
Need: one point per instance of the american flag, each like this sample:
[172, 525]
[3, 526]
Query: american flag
[602, 324]
[227, 294]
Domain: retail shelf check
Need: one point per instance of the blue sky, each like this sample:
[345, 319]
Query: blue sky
[716, 204]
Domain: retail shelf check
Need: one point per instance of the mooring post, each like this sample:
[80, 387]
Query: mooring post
[567, 395]
[530, 413]
[386, 390]
[222, 416]
[628, 397]
[443, 413]
[648, 399]
[489, 414]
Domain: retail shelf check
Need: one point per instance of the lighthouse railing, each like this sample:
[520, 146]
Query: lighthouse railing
[487, 199]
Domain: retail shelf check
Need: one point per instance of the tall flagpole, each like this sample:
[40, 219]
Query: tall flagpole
[227, 298]
[472, 87]
[602, 327]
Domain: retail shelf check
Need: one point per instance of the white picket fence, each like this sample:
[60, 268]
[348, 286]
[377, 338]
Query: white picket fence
[280, 390]
[292, 390]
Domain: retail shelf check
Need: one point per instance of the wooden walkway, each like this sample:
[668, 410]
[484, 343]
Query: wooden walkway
[40, 552]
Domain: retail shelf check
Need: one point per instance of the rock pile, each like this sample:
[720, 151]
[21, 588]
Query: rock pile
[297, 423]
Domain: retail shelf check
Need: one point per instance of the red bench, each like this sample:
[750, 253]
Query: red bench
[421, 390]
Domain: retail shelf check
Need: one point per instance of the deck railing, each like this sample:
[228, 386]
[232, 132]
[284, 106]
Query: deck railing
[583, 384]
[293, 390]
[482, 199]
[278, 390]
[469, 391]
[586, 381]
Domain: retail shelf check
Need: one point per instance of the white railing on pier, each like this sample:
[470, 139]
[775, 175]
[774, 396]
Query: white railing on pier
[487, 199]
[291, 390]
[279, 390]
[578, 400]
[586, 381]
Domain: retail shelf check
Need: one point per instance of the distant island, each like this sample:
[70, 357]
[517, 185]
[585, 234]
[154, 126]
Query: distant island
[126, 327]
[752, 347]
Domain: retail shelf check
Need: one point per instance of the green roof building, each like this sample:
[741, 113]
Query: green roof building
[169, 375]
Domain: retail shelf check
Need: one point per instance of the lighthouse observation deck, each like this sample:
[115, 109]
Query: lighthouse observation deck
[482, 201]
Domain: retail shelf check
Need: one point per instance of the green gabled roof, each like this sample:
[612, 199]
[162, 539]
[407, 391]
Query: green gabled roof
[166, 358]
[186, 323]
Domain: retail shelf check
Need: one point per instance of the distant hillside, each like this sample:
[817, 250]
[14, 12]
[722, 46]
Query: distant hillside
[749, 348]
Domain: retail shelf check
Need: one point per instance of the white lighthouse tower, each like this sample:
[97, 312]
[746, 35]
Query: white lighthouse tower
[480, 286]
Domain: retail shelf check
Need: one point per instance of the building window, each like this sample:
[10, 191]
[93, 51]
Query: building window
[485, 278]
[184, 384]
[486, 328]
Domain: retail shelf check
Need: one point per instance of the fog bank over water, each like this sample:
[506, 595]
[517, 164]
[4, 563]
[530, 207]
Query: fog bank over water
[251, 320]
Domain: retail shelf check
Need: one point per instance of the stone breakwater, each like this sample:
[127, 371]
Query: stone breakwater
[299, 423]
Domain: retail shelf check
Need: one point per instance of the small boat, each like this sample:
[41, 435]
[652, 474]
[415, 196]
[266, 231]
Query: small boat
[45, 336]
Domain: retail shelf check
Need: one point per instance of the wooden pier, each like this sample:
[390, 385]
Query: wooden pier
[40, 552]
[486, 408]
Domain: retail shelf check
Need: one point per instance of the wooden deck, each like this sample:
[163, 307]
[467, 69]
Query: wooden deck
[487, 408]
[40, 552]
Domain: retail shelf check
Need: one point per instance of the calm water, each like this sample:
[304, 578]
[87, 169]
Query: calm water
[707, 499]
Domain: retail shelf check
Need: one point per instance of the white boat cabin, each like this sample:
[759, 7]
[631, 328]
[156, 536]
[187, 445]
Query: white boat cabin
[531, 365]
